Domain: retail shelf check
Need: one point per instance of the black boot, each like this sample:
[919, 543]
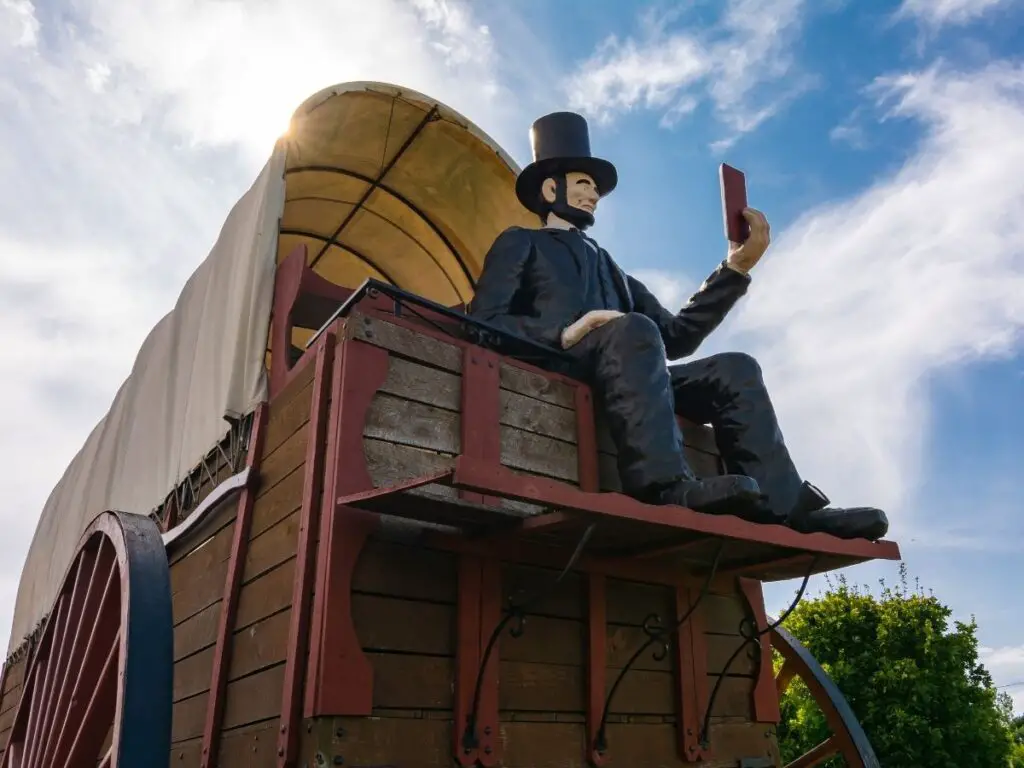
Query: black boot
[811, 514]
[724, 495]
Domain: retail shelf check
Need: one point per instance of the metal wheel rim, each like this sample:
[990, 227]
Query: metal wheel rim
[98, 684]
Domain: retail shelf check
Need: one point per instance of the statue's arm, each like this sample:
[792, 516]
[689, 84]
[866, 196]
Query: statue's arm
[499, 282]
[683, 332]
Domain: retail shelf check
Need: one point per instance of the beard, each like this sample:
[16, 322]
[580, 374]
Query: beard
[578, 217]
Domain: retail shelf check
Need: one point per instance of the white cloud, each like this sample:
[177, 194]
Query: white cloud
[19, 26]
[671, 289]
[126, 140]
[733, 64]
[1007, 664]
[231, 72]
[939, 12]
[857, 305]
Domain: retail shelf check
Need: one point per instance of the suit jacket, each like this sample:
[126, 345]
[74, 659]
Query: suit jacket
[534, 283]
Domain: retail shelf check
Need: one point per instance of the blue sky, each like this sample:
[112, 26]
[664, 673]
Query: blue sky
[881, 139]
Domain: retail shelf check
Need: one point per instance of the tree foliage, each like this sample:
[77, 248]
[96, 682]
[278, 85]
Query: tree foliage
[914, 682]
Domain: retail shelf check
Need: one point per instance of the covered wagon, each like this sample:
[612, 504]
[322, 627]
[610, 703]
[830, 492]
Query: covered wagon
[331, 520]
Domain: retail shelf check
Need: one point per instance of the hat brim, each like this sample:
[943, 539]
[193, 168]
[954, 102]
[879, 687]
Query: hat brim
[528, 183]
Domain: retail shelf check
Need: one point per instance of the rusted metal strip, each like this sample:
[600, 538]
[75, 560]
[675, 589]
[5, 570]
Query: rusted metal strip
[229, 604]
[305, 555]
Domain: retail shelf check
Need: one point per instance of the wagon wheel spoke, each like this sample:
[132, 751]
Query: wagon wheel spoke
[57, 672]
[87, 702]
[847, 737]
[785, 677]
[818, 755]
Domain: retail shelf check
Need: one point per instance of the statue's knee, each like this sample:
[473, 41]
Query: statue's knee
[633, 334]
[739, 365]
[636, 325]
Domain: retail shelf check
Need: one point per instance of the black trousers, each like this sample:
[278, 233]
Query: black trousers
[640, 395]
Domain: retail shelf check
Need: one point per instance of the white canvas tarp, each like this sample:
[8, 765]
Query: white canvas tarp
[203, 361]
[375, 181]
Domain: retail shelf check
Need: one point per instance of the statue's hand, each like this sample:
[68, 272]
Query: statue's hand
[593, 319]
[743, 256]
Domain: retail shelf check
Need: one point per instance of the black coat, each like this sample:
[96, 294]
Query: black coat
[534, 283]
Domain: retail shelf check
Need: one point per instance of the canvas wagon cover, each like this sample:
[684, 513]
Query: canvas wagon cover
[376, 181]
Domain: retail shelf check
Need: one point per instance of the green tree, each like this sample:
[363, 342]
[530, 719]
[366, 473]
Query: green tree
[1016, 732]
[914, 682]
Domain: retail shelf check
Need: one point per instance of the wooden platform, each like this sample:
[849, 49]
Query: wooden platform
[455, 436]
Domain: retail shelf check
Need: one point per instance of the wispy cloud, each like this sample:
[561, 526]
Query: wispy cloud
[671, 289]
[128, 131]
[1007, 663]
[19, 26]
[937, 13]
[861, 302]
[739, 65]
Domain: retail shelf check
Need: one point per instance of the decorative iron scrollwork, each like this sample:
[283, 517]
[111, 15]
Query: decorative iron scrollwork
[751, 636]
[657, 632]
[515, 613]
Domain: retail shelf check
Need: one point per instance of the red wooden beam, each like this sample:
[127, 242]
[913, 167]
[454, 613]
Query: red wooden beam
[480, 416]
[468, 653]
[490, 617]
[305, 556]
[501, 481]
[361, 369]
[597, 662]
[478, 613]
[339, 677]
[586, 440]
[232, 586]
[293, 282]
[692, 676]
[766, 697]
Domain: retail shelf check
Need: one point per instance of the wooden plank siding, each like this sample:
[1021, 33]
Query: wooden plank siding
[13, 680]
[260, 628]
[404, 612]
[414, 426]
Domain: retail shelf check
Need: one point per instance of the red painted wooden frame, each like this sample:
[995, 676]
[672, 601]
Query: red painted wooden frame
[339, 676]
[232, 587]
[478, 612]
[692, 676]
[597, 662]
[301, 297]
[766, 698]
[305, 556]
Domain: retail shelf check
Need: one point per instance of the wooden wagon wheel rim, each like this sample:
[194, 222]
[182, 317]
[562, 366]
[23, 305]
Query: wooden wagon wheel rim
[848, 738]
[98, 687]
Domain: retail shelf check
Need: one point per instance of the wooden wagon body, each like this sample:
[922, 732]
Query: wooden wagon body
[412, 552]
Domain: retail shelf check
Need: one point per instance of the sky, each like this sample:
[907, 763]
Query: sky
[882, 140]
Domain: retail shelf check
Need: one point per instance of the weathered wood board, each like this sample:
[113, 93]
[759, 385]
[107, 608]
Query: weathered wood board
[542, 674]
[414, 423]
[259, 629]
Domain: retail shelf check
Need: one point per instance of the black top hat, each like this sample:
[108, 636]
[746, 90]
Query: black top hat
[561, 144]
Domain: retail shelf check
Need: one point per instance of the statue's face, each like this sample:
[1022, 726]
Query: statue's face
[580, 191]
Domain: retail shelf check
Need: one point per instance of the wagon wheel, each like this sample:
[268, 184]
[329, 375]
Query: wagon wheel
[99, 686]
[848, 739]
